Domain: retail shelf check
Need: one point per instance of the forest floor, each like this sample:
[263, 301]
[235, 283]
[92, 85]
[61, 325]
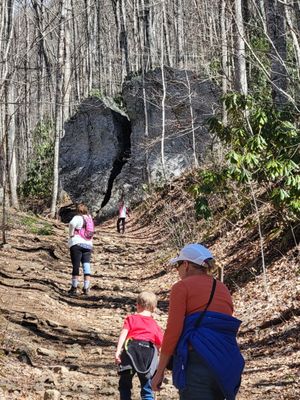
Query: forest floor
[55, 346]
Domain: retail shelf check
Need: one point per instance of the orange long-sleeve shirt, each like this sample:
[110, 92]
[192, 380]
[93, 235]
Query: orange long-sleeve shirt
[190, 295]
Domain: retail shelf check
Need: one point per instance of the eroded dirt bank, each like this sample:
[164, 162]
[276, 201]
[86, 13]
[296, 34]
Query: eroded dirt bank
[53, 344]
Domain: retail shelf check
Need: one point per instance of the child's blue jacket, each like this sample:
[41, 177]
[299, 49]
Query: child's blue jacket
[215, 342]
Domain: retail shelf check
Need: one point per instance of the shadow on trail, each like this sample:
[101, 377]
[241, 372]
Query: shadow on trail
[284, 316]
[28, 281]
[281, 339]
[272, 384]
[87, 369]
[125, 278]
[50, 250]
[59, 334]
[163, 305]
[270, 368]
[92, 302]
[110, 278]
[154, 276]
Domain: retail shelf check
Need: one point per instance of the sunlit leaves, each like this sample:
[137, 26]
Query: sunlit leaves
[263, 147]
[257, 143]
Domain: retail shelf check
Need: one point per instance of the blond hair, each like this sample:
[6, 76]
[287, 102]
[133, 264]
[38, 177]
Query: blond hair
[210, 266]
[147, 300]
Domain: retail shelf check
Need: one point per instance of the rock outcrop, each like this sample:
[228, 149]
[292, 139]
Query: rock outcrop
[92, 152]
[106, 155]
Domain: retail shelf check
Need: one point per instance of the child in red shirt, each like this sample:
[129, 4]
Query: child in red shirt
[137, 348]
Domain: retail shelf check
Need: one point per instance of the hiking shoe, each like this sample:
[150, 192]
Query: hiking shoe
[72, 291]
[86, 292]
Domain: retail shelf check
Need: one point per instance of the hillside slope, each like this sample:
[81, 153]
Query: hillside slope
[52, 342]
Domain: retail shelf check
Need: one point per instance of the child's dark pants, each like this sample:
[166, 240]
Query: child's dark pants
[125, 385]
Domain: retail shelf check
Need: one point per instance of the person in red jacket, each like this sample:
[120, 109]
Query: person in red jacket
[137, 347]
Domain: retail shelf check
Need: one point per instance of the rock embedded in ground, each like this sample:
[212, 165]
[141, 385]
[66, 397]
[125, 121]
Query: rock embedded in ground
[52, 394]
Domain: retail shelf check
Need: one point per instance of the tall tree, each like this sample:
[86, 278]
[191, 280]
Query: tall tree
[276, 26]
[240, 80]
[58, 121]
[10, 128]
[224, 52]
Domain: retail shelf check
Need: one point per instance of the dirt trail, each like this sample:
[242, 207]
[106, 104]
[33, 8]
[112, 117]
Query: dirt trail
[53, 342]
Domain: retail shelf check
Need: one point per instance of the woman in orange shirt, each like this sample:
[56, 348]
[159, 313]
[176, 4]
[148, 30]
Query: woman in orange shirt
[188, 297]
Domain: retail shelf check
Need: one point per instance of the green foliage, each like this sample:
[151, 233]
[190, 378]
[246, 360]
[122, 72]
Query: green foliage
[96, 93]
[202, 208]
[118, 99]
[38, 183]
[210, 182]
[36, 226]
[263, 147]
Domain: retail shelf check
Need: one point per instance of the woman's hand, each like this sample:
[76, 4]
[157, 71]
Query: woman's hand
[157, 380]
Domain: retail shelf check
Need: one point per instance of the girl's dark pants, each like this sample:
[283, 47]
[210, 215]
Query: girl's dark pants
[121, 221]
[125, 385]
[79, 255]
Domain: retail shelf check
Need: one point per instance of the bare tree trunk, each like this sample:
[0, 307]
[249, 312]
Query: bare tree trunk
[293, 35]
[40, 57]
[67, 109]
[180, 34]
[8, 129]
[136, 35]
[3, 170]
[124, 42]
[277, 35]
[166, 40]
[224, 45]
[163, 110]
[88, 84]
[75, 39]
[27, 137]
[11, 145]
[146, 44]
[148, 172]
[3, 8]
[196, 163]
[7, 39]
[39, 12]
[58, 105]
[297, 15]
[4, 210]
[240, 56]
[99, 44]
